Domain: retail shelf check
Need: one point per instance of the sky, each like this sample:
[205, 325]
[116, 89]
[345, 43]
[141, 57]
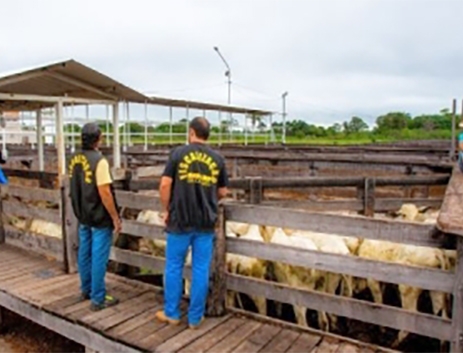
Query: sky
[336, 59]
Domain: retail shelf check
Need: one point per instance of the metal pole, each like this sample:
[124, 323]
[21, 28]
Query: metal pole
[73, 137]
[220, 128]
[116, 137]
[60, 140]
[452, 145]
[124, 131]
[228, 74]
[129, 125]
[146, 126]
[170, 126]
[87, 112]
[108, 142]
[283, 96]
[245, 130]
[40, 139]
[187, 122]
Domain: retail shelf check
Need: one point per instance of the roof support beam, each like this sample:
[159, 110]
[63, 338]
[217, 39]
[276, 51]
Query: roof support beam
[81, 84]
[51, 99]
[18, 78]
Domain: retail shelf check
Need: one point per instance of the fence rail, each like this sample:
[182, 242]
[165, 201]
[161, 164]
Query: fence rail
[360, 227]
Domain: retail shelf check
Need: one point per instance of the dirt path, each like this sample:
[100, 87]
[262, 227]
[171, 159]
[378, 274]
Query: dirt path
[23, 336]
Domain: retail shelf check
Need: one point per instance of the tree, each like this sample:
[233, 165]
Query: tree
[355, 125]
[392, 121]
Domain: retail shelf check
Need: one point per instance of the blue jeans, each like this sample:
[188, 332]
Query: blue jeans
[176, 250]
[92, 260]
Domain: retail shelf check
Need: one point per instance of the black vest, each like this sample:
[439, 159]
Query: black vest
[86, 201]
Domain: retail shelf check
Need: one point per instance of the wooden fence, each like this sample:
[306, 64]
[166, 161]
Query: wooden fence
[374, 313]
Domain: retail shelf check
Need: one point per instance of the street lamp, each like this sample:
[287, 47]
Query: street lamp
[228, 74]
[283, 96]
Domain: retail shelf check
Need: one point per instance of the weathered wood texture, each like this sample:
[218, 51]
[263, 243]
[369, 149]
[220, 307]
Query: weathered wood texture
[32, 194]
[400, 232]
[450, 218]
[350, 265]
[22, 210]
[39, 291]
[427, 325]
[71, 230]
[457, 312]
[217, 286]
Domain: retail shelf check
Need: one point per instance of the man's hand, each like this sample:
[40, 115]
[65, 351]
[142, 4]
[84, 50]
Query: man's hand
[165, 217]
[117, 224]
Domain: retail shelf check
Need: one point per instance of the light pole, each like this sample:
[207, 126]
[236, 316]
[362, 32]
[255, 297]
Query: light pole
[228, 74]
[283, 96]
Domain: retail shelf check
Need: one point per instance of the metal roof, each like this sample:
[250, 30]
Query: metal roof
[207, 106]
[70, 78]
[67, 78]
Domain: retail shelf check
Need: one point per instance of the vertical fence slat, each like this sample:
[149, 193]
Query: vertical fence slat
[217, 284]
[2, 229]
[369, 197]
[71, 226]
[457, 312]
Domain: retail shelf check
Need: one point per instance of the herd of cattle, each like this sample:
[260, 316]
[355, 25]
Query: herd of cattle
[305, 278]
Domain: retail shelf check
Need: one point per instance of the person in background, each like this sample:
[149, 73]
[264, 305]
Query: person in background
[460, 147]
[95, 207]
[193, 181]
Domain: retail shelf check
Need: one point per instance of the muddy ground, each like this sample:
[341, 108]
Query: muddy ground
[23, 336]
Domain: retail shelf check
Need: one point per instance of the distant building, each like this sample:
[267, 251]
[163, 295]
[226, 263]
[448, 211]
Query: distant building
[13, 132]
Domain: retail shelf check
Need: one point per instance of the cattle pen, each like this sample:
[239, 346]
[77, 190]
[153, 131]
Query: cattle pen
[47, 292]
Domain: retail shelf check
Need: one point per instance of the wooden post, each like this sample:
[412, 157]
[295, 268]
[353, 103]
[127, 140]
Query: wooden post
[2, 230]
[71, 227]
[369, 198]
[457, 312]
[234, 175]
[217, 283]
[40, 140]
[116, 138]
[255, 190]
[453, 142]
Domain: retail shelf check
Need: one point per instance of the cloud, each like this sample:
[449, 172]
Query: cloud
[335, 58]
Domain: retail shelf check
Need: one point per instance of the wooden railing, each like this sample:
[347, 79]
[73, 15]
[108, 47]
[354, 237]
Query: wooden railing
[361, 227]
[374, 313]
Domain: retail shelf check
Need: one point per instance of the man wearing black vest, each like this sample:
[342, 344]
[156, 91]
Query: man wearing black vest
[193, 181]
[95, 207]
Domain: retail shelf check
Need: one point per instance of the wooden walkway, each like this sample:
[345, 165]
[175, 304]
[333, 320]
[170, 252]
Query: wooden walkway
[39, 290]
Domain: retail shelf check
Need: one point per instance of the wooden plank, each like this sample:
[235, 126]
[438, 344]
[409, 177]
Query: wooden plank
[71, 230]
[137, 201]
[151, 342]
[305, 343]
[38, 293]
[38, 243]
[431, 279]
[424, 324]
[133, 258]
[184, 338]
[217, 285]
[65, 328]
[281, 342]
[205, 342]
[125, 315]
[40, 282]
[235, 338]
[330, 205]
[32, 194]
[401, 232]
[146, 317]
[58, 294]
[450, 220]
[258, 339]
[23, 210]
[145, 230]
[92, 318]
[348, 348]
[326, 347]
[457, 309]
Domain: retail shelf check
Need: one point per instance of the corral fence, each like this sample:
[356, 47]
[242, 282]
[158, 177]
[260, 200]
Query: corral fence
[450, 282]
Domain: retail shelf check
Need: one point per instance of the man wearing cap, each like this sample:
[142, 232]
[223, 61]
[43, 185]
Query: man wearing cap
[95, 207]
[193, 181]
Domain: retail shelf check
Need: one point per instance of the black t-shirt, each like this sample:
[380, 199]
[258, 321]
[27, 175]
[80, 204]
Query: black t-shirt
[197, 172]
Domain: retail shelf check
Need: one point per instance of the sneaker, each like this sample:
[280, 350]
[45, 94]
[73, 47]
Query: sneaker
[84, 296]
[194, 327]
[161, 316]
[108, 301]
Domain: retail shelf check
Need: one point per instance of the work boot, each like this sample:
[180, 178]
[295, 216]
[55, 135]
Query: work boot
[108, 301]
[84, 296]
[161, 316]
[194, 327]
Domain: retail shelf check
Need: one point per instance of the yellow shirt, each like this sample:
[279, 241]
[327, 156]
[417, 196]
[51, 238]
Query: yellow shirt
[102, 174]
